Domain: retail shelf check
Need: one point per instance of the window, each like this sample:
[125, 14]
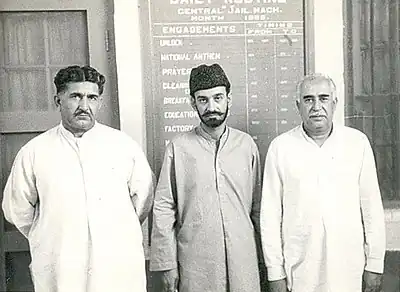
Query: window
[373, 95]
[36, 46]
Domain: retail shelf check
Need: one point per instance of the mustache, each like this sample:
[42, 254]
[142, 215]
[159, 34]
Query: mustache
[317, 114]
[80, 112]
[212, 113]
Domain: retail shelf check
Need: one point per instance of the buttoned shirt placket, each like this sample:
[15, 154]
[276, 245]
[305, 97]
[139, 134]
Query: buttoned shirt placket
[324, 161]
[77, 144]
[216, 148]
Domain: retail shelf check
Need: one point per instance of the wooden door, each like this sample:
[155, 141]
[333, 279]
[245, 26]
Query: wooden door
[34, 44]
[374, 86]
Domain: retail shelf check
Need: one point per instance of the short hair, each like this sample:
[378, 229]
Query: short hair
[206, 77]
[315, 78]
[77, 73]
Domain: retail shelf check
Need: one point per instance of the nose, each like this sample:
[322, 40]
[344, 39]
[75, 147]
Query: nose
[83, 103]
[212, 105]
[317, 105]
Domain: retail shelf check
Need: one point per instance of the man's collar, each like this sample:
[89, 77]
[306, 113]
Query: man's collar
[307, 137]
[69, 135]
[200, 131]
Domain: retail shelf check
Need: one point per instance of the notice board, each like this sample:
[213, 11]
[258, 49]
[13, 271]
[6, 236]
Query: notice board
[259, 43]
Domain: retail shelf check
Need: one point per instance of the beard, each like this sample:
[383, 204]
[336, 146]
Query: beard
[215, 121]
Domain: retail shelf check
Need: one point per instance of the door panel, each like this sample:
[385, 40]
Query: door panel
[25, 89]
[17, 274]
[40, 38]
[22, 30]
[14, 247]
[65, 35]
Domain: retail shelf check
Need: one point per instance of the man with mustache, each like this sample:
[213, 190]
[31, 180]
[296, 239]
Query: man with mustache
[79, 192]
[205, 234]
[322, 220]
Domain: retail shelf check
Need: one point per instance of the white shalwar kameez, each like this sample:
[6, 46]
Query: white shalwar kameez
[322, 220]
[78, 201]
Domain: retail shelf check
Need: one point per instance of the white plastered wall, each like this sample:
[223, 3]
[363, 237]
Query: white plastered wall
[129, 69]
[329, 54]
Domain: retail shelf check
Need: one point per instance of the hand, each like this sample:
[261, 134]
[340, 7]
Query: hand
[278, 286]
[169, 280]
[372, 282]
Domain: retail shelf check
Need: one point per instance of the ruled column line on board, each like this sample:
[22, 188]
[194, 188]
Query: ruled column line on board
[247, 79]
[276, 86]
[230, 22]
[221, 35]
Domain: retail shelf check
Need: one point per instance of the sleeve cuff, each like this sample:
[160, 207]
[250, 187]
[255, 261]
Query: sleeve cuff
[154, 267]
[276, 273]
[374, 265]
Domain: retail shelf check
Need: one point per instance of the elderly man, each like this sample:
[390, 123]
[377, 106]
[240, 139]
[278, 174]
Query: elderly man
[206, 208]
[322, 221]
[78, 192]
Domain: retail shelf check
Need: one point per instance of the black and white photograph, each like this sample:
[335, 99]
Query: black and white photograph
[200, 145]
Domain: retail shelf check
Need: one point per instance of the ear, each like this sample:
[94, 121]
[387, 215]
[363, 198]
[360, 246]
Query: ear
[193, 103]
[335, 101]
[57, 100]
[100, 101]
[298, 105]
[229, 97]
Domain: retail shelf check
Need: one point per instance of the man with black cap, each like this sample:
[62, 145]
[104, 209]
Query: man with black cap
[206, 212]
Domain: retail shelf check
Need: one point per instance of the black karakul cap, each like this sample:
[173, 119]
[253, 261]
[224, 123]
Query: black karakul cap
[206, 77]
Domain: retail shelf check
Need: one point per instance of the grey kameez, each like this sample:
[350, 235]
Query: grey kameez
[206, 212]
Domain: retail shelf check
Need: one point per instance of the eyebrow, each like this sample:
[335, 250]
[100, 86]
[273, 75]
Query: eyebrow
[79, 93]
[215, 95]
[319, 95]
